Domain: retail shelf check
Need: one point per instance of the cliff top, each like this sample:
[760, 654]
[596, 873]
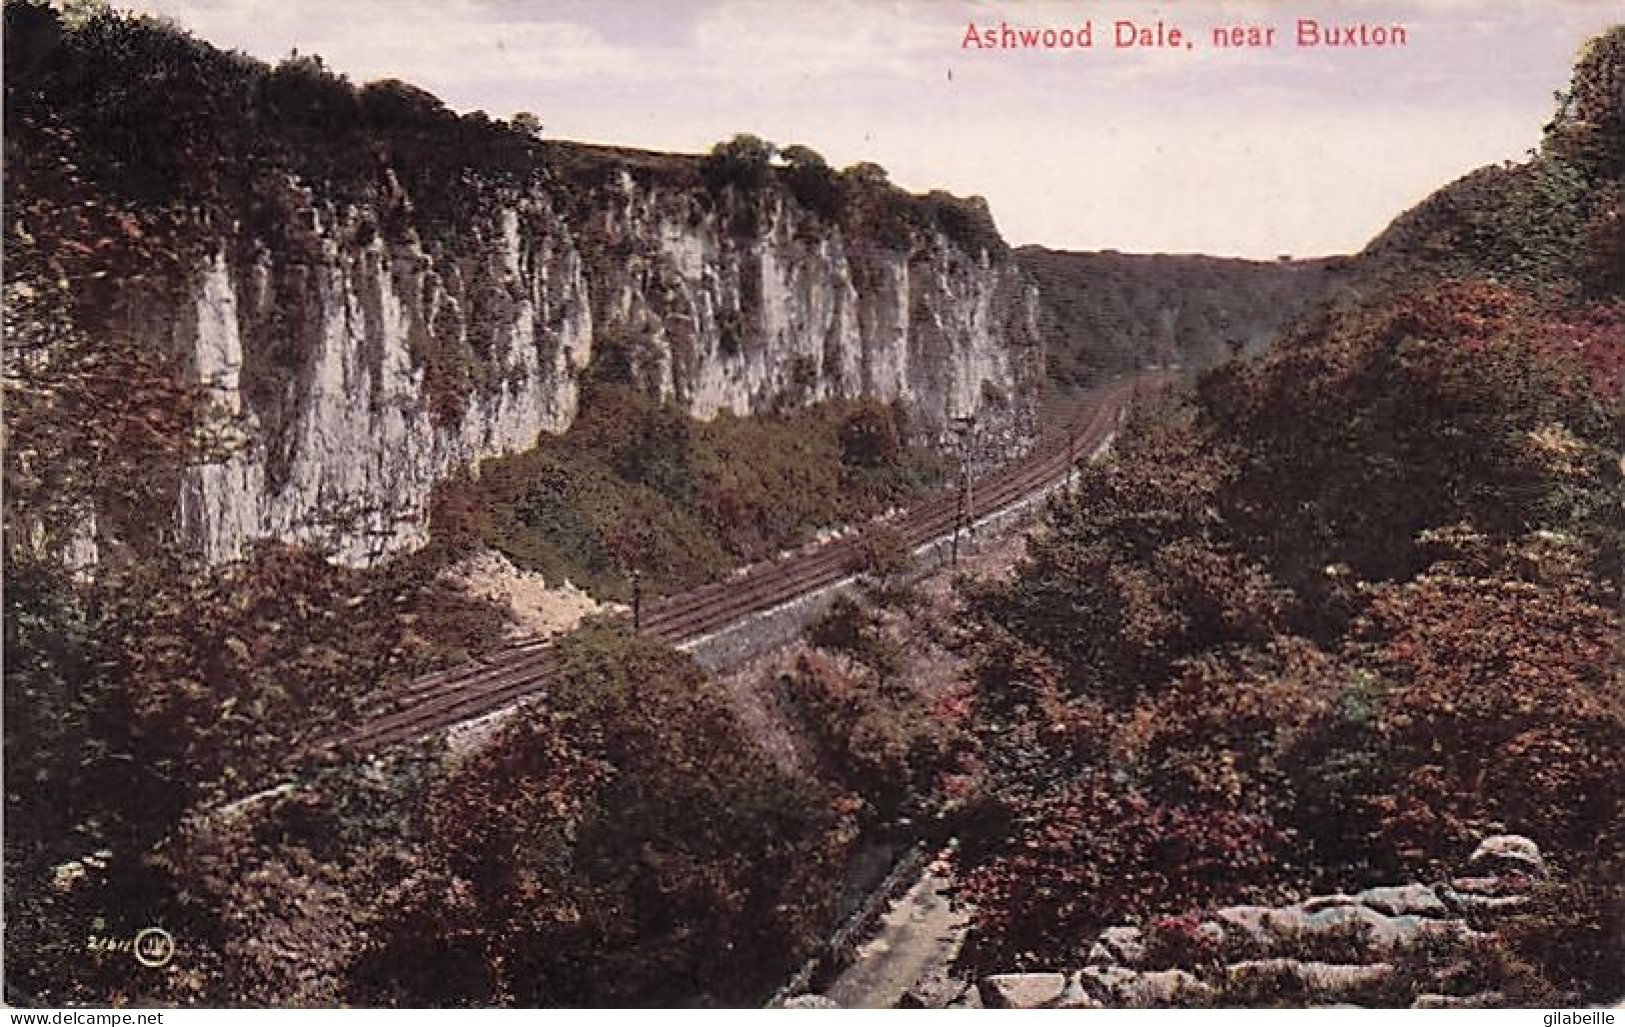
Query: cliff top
[163, 124]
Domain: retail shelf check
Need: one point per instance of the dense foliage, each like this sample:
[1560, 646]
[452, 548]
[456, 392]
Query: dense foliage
[140, 699]
[636, 484]
[1109, 313]
[168, 126]
[860, 198]
[620, 842]
[623, 843]
[1553, 222]
[1352, 606]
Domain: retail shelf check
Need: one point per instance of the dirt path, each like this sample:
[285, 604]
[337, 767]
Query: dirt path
[918, 937]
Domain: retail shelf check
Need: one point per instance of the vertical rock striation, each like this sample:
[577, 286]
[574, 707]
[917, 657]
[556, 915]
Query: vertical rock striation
[352, 366]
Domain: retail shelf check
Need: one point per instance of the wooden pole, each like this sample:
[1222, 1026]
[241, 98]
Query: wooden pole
[637, 600]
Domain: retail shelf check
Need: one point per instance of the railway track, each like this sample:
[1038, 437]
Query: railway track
[444, 699]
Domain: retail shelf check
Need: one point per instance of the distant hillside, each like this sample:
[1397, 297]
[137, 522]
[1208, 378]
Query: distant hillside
[1552, 225]
[1102, 313]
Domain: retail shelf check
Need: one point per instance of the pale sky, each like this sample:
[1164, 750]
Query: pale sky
[1234, 152]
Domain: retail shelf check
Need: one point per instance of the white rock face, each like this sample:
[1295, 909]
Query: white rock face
[349, 374]
[794, 310]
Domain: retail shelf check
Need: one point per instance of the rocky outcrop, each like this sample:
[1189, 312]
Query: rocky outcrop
[1398, 945]
[744, 300]
[1335, 949]
[351, 365]
[326, 352]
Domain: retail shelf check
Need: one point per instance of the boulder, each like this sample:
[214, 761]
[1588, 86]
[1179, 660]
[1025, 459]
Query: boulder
[1021, 991]
[1358, 924]
[1481, 905]
[1503, 852]
[1168, 988]
[1313, 980]
[1108, 985]
[970, 998]
[810, 1002]
[1247, 923]
[1125, 944]
[1076, 996]
[1320, 902]
[1516, 883]
[1404, 900]
[1483, 1000]
[1436, 930]
[935, 990]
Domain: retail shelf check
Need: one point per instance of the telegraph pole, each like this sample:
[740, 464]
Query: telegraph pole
[1071, 453]
[965, 428]
[970, 483]
[959, 520]
[637, 600]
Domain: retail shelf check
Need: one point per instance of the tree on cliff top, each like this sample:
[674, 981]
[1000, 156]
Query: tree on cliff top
[812, 180]
[745, 162]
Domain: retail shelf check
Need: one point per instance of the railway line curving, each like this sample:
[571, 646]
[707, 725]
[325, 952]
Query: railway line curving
[445, 699]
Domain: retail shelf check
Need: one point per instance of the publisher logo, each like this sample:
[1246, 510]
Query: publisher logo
[151, 946]
[154, 947]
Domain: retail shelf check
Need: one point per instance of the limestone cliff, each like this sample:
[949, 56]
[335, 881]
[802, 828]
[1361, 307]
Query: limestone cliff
[363, 328]
[375, 292]
[355, 370]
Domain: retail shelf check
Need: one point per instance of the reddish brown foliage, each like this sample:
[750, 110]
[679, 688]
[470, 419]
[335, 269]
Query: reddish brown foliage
[1505, 710]
[1096, 853]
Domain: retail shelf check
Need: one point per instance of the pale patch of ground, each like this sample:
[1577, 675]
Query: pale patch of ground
[994, 559]
[916, 939]
[537, 608]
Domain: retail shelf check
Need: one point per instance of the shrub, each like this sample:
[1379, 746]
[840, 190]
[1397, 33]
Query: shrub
[1136, 574]
[1414, 413]
[1096, 853]
[848, 627]
[622, 843]
[636, 483]
[812, 182]
[1351, 609]
[1503, 710]
[1572, 935]
[869, 438]
[887, 745]
[882, 556]
[744, 162]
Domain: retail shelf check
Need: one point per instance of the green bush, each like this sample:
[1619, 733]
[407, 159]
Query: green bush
[885, 744]
[637, 483]
[847, 627]
[744, 162]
